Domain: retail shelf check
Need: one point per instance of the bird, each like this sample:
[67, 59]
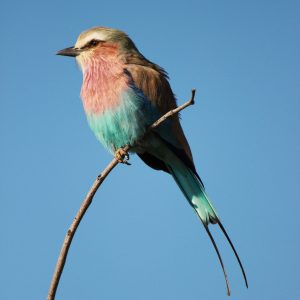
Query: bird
[123, 93]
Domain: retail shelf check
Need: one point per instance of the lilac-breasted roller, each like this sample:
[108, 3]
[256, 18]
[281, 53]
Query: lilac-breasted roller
[123, 93]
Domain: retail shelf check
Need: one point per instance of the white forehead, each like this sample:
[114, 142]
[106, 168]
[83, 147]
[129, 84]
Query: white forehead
[87, 36]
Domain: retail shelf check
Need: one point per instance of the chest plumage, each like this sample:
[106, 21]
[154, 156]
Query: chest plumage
[117, 112]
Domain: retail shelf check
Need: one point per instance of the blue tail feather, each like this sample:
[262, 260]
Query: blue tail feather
[193, 189]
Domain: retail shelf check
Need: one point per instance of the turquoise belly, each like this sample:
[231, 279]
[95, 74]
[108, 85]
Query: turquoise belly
[125, 124]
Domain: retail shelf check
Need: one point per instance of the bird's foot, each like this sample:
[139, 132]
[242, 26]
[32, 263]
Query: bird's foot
[122, 156]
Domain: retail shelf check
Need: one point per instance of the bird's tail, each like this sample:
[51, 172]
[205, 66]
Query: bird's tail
[194, 192]
[193, 189]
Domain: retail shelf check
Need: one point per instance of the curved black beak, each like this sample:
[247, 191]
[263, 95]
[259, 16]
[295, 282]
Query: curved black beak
[71, 51]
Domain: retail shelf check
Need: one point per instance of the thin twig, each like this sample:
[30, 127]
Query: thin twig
[174, 111]
[89, 198]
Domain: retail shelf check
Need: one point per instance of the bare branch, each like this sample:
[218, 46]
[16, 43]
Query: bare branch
[173, 111]
[89, 198]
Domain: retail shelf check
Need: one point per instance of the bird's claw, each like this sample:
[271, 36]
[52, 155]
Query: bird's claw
[122, 156]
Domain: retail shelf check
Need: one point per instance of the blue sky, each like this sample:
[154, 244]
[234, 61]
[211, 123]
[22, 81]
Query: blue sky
[140, 239]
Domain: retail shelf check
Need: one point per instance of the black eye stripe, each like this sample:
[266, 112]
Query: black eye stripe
[92, 43]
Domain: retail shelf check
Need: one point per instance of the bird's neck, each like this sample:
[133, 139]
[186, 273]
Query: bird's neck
[103, 83]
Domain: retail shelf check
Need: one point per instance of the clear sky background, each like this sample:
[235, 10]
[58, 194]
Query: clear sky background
[140, 239]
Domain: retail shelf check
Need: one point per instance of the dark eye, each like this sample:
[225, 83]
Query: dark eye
[93, 43]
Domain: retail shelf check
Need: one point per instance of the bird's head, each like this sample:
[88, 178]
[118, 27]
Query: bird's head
[100, 42]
